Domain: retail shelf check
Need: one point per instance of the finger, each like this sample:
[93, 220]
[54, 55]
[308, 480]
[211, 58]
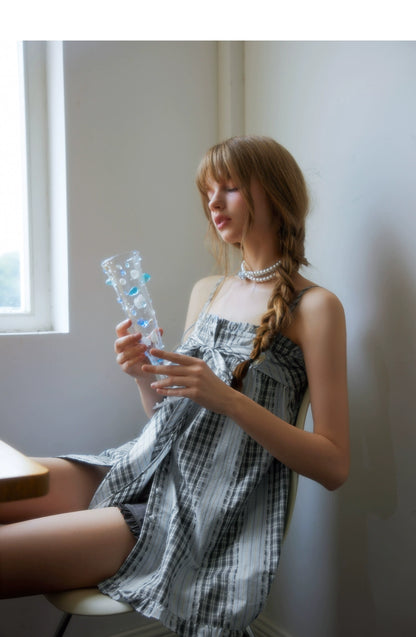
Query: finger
[172, 357]
[168, 382]
[172, 371]
[161, 370]
[132, 354]
[169, 391]
[122, 328]
[131, 341]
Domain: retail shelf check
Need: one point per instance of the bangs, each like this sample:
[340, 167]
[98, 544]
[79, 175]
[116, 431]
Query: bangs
[215, 166]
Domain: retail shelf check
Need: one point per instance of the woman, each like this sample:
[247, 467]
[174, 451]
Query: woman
[186, 521]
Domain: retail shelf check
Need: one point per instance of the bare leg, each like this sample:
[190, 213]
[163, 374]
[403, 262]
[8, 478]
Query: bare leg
[64, 551]
[71, 488]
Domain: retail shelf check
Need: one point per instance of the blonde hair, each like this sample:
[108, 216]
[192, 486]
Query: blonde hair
[240, 160]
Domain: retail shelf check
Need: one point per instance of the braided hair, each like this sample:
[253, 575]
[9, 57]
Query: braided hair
[240, 160]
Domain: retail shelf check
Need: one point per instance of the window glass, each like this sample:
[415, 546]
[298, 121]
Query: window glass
[14, 289]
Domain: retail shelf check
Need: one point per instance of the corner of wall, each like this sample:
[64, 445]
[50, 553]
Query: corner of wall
[231, 112]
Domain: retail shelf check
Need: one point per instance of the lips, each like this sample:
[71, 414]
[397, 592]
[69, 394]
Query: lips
[221, 221]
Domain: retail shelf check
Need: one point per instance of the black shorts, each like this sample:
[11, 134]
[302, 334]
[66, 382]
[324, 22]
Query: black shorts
[134, 516]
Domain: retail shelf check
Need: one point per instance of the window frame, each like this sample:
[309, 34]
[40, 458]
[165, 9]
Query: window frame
[46, 203]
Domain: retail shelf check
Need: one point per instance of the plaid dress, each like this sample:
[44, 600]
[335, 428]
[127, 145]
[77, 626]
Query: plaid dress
[211, 537]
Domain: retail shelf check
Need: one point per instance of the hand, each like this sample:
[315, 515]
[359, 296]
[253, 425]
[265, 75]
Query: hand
[191, 378]
[131, 353]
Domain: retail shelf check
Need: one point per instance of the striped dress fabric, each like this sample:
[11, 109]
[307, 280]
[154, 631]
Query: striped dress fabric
[211, 537]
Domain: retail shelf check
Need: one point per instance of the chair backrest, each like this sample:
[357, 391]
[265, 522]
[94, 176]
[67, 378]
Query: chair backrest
[293, 486]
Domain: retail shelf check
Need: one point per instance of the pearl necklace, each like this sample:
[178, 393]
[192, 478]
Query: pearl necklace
[258, 276]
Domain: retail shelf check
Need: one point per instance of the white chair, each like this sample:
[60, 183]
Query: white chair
[85, 601]
[89, 601]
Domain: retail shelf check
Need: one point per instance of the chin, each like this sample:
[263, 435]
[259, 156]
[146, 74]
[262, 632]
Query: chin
[230, 238]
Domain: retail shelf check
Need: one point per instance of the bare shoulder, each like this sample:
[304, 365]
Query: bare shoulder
[317, 299]
[200, 294]
[205, 286]
[319, 313]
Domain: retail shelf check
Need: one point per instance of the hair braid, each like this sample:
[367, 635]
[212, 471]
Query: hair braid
[277, 317]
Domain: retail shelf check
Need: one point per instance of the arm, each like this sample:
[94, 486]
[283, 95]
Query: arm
[324, 454]
[131, 353]
[319, 328]
[131, 358]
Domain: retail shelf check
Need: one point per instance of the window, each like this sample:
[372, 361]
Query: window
[32, 189]
[14, 289]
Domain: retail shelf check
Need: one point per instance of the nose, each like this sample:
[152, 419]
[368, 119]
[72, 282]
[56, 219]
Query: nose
[215, 201]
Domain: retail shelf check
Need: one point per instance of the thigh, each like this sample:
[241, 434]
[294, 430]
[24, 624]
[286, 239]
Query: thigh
[64, 551]
[71, 487]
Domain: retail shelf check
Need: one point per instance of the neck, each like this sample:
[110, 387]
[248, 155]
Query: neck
[259, 261]
[260, 252]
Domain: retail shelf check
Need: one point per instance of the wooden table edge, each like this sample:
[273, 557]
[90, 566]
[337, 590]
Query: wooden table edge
[31, 482]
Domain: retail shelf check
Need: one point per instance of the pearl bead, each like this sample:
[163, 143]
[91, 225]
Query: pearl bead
[258, 276]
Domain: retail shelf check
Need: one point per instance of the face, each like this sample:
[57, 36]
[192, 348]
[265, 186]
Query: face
[230, 212]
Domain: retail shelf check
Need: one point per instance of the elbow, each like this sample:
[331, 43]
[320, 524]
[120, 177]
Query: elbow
[334, 483]
[338, 476]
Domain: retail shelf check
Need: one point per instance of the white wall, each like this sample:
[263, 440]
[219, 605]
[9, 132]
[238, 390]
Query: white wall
[347, 113]
[138, 118]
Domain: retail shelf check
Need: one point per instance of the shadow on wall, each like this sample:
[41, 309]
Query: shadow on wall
[377, 535]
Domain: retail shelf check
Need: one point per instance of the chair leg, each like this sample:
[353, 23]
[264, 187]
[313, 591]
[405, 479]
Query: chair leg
[63, 624]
